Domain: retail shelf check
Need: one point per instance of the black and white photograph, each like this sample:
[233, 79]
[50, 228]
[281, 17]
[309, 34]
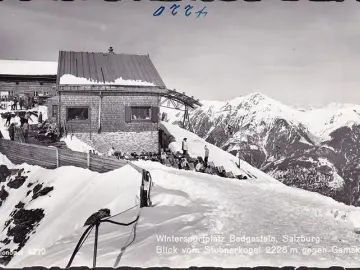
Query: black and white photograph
[179, 133]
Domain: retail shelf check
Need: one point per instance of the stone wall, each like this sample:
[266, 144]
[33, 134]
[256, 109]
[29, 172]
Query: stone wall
[127, 142]
[124, 136]
[112, 112]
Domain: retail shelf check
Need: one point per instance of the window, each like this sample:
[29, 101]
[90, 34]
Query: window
[140, 113]
[35, 93]
[77, 113]
[54, 110]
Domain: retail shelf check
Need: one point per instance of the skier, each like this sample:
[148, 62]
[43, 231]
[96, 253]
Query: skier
[12, 131]
[185, 147]
[206, 155]
[40, 118]
[111, 152]
[8, 119]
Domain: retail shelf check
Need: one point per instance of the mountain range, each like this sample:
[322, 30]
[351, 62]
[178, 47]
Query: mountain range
[313, 148]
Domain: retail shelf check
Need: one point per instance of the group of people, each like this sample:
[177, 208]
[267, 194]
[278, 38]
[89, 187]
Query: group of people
[93, 152]
[15, 102]
[24, 125]
[20, 103]
[25, 129]
[185, 151]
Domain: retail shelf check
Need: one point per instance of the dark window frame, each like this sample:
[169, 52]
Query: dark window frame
[52, 110]
[77, 121]
[140, 107]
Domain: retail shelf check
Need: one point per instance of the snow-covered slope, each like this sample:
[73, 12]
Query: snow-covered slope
[219, 157]
[200, 215]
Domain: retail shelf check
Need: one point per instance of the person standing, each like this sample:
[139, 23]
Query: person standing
[27, 117]
[12, 131]
[22, 121]
[8, 119]
[184, 147]
[206, 155]
[15, 104]
[26, 131]
[40, 118]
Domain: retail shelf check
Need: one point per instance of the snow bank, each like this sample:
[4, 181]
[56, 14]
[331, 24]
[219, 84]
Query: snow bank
[77, 194]
[5, 161]
[17, 67]
[75, 144]
[71, 79]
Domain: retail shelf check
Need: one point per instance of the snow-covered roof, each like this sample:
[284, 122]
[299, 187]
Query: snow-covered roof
[90, 68]
[68, 79]
[30, 68]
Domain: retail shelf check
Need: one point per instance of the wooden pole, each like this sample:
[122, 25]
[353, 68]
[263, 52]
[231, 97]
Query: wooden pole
[88, 160]
[57, 158]
[100, 101]
[95, 243]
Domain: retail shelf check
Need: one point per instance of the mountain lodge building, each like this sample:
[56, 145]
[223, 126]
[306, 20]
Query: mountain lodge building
[109, 99]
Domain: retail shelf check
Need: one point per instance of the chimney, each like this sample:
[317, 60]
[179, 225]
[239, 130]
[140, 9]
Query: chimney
[111, 50]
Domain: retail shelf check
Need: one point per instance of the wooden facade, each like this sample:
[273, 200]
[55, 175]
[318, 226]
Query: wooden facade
[31, 78]
[30, 85]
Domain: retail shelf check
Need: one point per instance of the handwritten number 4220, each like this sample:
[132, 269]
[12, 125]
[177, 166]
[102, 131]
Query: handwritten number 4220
[188, 12]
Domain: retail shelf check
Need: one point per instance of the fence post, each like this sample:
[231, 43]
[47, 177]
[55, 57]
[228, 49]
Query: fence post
[88, 160]
[57, 158]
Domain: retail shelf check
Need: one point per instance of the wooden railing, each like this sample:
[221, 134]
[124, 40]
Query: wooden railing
[51, 157]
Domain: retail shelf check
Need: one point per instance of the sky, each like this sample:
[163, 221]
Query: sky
[299, 53]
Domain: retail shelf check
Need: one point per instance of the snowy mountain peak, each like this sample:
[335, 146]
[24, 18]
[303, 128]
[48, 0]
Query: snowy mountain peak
[257, 96]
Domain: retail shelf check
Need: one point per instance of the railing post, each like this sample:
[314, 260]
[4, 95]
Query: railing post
[142, 200]
[57, 158]
[96, 242]
[88, 160]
